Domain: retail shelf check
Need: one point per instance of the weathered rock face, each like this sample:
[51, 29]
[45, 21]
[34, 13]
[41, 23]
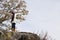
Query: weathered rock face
[26, 36]
[4, 35]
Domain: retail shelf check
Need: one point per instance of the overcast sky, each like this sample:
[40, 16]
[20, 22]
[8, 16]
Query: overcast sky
[43, 15]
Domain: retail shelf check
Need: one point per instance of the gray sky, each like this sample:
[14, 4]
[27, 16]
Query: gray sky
[43, 15]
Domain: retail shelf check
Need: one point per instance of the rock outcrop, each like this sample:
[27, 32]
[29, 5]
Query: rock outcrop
[4, 35]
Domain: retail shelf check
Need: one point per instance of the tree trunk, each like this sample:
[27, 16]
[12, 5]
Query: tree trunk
[12, 21]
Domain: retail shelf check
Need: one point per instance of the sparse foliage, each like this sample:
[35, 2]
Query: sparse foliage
[17, 6]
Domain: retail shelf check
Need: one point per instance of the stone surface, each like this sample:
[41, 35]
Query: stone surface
[4, 35]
